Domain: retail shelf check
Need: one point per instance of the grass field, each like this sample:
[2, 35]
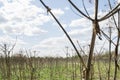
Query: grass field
[22, 68]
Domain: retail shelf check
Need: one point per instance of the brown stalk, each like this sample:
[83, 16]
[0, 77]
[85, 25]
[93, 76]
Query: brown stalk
[117, 44]
[110, 55]
[95, 31]
[116, 49]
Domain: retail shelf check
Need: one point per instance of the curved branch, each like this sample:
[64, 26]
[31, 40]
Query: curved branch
[113, 15]
[75, 12]
[109, 14]
[85, 8]
[79, 10]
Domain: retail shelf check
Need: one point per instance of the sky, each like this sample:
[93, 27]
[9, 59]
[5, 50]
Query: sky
[27, 23]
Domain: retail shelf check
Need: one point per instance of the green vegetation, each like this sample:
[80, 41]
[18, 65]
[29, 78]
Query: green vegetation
[49, 68]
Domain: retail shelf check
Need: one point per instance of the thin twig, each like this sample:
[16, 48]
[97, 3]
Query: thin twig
[85, 8]
[81, 48]
[107, 37]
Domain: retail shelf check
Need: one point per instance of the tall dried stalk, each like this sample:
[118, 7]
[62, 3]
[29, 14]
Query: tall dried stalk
[117, 44]
[96, 29]
[6, 51]
[95, 32]
[110, 55]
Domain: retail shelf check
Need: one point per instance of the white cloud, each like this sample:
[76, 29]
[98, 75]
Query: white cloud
[76, 32]
[118, 1]
[32, 31]
[80, 22]
[56, 46]
[54, 42]
[63, 24]
[66, 8]
[57, 12]
[51, 46]
[22, 17]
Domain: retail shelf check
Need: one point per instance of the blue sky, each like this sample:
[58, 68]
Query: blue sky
[36, 30]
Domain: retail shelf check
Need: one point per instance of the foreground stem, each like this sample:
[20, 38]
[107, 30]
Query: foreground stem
[90, 55]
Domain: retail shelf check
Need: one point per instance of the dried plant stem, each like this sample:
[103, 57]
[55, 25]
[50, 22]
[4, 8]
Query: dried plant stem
[49, 10]
[90, 56]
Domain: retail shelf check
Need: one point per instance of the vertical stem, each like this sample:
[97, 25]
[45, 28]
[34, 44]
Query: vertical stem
[7, 60]
[116, 60]
[90, 55]
[95, 26]
[116, 48]
[110, 56]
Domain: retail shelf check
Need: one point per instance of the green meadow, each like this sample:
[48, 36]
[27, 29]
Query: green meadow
[49, 68]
